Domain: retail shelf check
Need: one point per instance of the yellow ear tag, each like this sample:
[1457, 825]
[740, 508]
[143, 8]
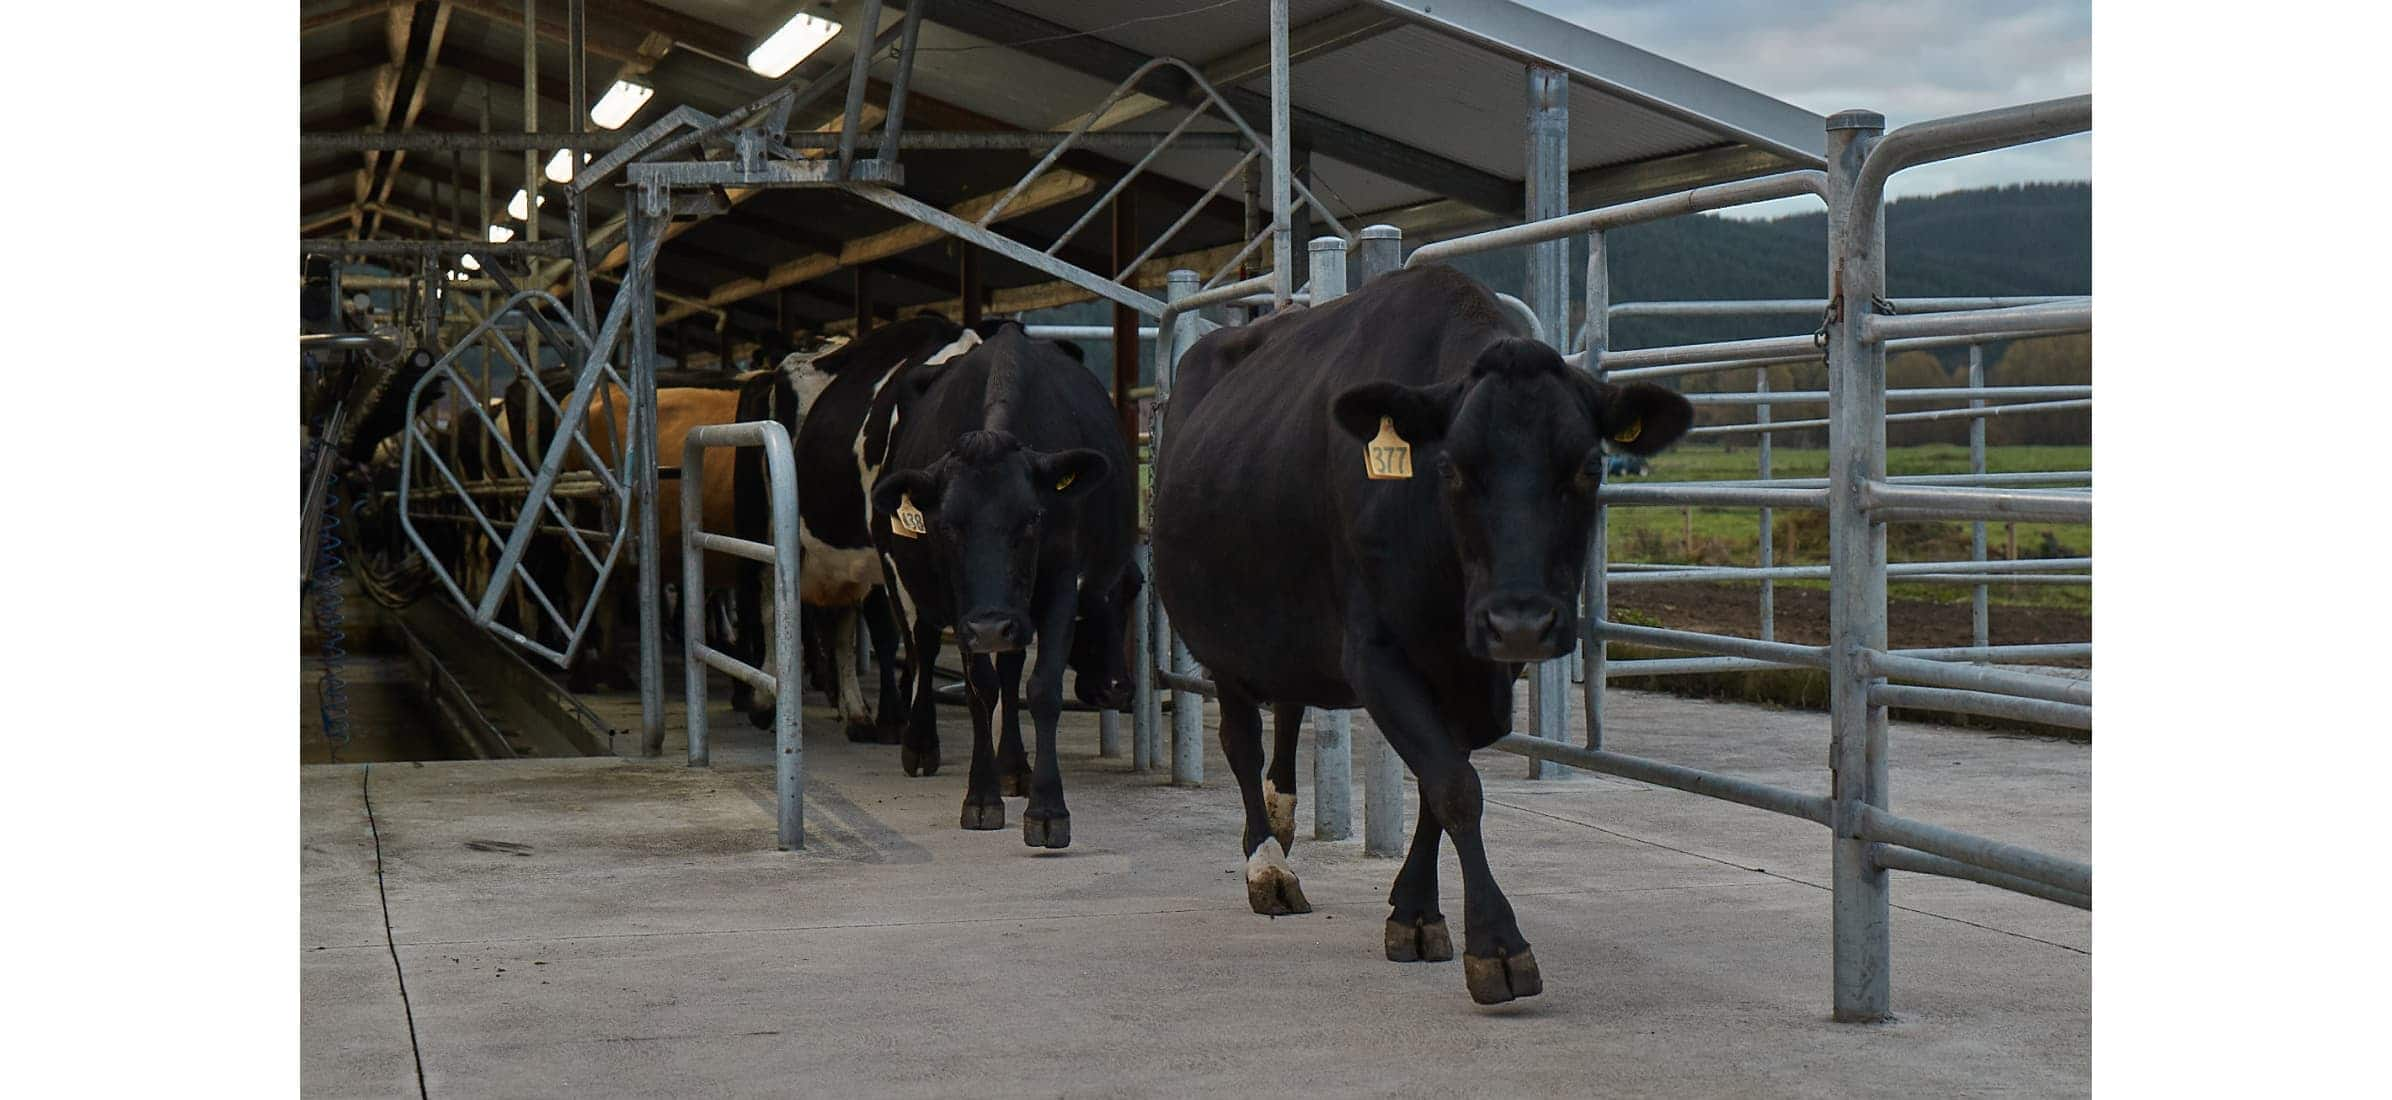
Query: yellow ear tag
[1066, 482]
[1387, 457]
[1628, 434]
[907, 524]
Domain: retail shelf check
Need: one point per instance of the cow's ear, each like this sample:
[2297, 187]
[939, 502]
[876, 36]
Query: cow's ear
[1642, 418]
[1420, 413]
[1070, 474]
[899, 485]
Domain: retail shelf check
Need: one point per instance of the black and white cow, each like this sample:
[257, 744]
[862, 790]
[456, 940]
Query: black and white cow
[824, 396]
[1006, 514]
[1386, 502]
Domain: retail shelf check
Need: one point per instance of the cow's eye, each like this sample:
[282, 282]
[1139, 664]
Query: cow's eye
[1589, 476]
[1448, 472]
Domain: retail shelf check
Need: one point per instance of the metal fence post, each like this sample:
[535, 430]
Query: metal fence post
[1146, 707]
[642, 225]
[1187, 707]
[1283, 239]
[1980, 622]
[1595, 596]
[1379, 249]
[1546, 134]
[1332, 731]
[1768, 541]
[1856, 565]
[788, 677]
[693, 612]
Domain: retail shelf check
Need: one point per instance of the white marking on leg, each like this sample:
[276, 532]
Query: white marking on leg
[1268, 863]
[1279, 808]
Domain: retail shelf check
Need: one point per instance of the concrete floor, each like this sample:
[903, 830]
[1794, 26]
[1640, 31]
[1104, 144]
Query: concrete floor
[618, 927]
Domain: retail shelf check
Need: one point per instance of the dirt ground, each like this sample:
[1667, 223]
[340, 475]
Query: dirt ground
[1802, 616]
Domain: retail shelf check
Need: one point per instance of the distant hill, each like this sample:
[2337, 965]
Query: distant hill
[2024, 239]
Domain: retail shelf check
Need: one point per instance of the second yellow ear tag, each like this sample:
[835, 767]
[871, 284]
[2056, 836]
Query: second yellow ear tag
[1628, 434]
[1387, 457]
[1066, 482]
[907, 524]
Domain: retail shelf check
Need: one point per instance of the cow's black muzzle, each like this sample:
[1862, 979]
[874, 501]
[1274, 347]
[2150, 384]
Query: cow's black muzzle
[987, 633]
[1520, 628]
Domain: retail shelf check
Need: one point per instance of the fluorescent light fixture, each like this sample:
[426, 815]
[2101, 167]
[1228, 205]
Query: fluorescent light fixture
[501, 234]
[794, 42]
[519, 207]
[620, 102]
[467, 262]
[560, 166]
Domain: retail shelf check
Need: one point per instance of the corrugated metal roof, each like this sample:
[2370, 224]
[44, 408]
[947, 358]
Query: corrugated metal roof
[1409, 104]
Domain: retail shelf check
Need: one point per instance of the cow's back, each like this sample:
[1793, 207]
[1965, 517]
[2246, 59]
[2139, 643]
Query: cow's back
[1262, 511]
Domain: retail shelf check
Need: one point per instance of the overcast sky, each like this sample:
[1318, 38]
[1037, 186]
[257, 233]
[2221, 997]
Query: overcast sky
[1909, 59]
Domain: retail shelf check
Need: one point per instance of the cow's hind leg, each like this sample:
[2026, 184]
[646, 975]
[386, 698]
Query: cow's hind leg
[983, 806]
[850, 695]
[1271, 886]
[1416, 931]
[881, 621]
[1046, 823]
[1279, 784]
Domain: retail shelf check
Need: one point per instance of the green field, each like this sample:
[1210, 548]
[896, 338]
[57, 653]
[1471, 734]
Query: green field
[1731, 536]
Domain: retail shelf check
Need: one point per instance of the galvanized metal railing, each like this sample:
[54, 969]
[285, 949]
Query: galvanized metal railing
[785, 681]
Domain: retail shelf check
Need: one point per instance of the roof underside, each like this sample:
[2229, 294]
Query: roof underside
[1408, 112]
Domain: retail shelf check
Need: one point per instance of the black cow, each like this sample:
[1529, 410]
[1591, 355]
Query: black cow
[1299, 579]
[824, 398]
[1011, 493]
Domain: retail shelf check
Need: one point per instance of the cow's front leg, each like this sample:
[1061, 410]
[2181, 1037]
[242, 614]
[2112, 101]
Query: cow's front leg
[1047, 822]
[1013, 761]
[1497, 965]
[983, 806]
[920, 754]
[881, 622]
[1416, 930]
[1279, 786]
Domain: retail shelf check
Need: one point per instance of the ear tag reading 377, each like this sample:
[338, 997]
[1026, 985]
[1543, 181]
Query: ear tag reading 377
[1387, 457]
[907, 523]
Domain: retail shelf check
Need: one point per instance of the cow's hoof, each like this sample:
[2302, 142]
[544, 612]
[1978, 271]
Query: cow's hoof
[1496, 979]
[889, 733]
[980, 817]
[1271, 886]
[1014, 784]
[1046, 832]
[862, 733]
[1280, 809]
[919, 762]
[1421, 939]
[760, 717]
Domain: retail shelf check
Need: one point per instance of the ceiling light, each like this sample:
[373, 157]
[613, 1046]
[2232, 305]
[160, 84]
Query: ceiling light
[519, 208]
[794, 42]
[620, 102]
[467, 262]
[560, 166]
[501, 234]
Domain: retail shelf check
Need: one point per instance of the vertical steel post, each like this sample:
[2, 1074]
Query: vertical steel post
[1187, 707]
[1768, 542]
[893, 124]
[1146, 704]
[1332, 731]
[577, 107]
[1856, 570]
[1283, 241]
[867, 28]
[1980, 620]
[788, 683]
[1546, 153]
[1595, 596]
[693, 612]
[642, 224]
[1379, 249]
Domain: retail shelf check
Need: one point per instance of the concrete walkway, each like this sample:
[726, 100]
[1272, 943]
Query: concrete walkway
[617, 927]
